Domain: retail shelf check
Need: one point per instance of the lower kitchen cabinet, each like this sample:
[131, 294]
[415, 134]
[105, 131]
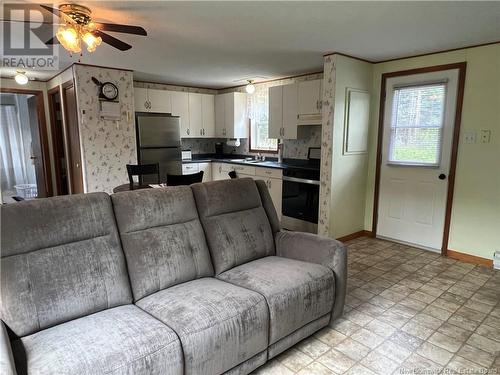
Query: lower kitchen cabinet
[192, 168]
[220, 171]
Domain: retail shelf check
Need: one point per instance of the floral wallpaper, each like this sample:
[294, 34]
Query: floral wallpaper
[107, 145]
[326, 146]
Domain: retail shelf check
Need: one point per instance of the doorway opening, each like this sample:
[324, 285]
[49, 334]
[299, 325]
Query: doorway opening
[419, 125]
[24, 155]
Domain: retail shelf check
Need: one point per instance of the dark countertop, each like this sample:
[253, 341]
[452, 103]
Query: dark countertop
[268, 163]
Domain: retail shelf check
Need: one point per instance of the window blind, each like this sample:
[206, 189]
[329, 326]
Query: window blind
[417, 124]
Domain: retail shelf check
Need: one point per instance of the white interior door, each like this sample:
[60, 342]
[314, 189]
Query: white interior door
[419, 119]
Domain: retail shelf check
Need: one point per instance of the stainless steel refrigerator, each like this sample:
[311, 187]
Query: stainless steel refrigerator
[159, 141]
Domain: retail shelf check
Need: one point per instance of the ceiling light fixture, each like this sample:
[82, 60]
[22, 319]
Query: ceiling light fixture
[78, 27]
[21, 77]
[250, 87]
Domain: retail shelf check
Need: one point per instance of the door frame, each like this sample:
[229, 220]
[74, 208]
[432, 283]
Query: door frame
[42, 132]
[462, 67]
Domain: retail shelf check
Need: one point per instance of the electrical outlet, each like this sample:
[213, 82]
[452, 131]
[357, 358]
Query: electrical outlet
[485, 136]
[470, 137]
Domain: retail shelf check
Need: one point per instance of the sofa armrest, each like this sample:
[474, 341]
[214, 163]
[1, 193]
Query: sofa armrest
[7, 365]
[321, 250]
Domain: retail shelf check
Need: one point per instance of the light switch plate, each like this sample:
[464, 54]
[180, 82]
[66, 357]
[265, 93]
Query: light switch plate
[470, 137]
[485, 136]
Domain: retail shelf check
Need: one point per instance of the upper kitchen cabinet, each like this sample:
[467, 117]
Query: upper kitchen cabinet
[292, 105]
[180, 107]
[283, 111]
[201, 115]
[231, 116]
[147, 100]
[309, 102]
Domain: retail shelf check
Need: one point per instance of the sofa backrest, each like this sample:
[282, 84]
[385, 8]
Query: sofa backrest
[61, 259]
[162, 238]
[235, 222]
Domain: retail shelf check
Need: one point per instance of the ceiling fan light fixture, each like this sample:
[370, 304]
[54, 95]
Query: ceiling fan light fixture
[250, 87]
[91, 41]
[69, 38]
[21, 78]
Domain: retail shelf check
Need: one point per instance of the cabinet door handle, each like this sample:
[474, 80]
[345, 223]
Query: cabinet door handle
[201, 131]
[187, 131]
[270, 184]
[220, 168]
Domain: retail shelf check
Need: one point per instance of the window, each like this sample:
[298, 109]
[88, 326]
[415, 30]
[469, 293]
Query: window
[417, 125]
[259, 114]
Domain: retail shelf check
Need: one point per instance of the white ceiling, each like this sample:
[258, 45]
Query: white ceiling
[214, 44]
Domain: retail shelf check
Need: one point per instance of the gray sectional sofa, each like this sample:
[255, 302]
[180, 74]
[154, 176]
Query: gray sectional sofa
[184, 280]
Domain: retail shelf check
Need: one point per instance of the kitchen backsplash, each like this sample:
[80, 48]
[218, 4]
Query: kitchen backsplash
[308, 136]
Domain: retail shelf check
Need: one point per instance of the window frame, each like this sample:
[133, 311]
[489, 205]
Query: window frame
[251, 123]
[437, 164]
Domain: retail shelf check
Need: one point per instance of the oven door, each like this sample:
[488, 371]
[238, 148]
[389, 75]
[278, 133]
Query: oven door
[300, 199]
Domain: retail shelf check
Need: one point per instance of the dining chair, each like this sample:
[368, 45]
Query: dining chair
[140, 171]
[185, 179]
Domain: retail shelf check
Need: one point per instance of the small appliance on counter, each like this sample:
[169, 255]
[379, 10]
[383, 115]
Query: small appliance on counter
[186, 155]
[219, 150]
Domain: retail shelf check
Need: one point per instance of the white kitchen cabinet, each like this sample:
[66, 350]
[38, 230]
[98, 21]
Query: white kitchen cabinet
[207, 171]
[283, 111]
[231, 115]
[309, 102]
[148, 100]
[208, 115]
[180, 107]
[195, 116]
[275, 186]
[201, 116]
[190, 168]
[290, 93]
[220, 171]
[275, 124]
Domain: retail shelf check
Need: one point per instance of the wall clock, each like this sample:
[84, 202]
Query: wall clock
[107, 90]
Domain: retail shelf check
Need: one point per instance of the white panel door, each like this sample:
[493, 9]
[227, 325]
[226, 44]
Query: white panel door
[418, 129]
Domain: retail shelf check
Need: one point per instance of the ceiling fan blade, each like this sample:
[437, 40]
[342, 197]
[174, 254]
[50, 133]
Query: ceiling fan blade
[58, 13]
[52, 40]
[118, 28]
[112, 41]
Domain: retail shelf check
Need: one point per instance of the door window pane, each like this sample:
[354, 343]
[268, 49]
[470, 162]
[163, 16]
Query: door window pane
[417, 125]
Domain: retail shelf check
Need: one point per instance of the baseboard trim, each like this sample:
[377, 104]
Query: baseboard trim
[352, 236]
[468, 258]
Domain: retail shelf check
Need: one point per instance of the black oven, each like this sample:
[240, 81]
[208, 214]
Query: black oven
[300, 203]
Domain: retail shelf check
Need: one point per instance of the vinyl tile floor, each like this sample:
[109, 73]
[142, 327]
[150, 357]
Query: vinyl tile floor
[408, 311]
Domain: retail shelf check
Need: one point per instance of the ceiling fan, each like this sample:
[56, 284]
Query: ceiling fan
[79, 26]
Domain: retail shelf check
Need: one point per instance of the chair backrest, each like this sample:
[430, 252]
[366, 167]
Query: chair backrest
[185, 179]
[61, 259]
[142, 170]
[236, 223]
[162, 238]
[232, 174]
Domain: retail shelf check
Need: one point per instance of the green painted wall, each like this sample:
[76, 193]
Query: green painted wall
[475, 221]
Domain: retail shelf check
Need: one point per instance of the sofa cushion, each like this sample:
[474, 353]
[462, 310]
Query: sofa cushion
[61, 259]
[235, 222]
[162, 238]
[121, 340]
[297, 292]
[220, 325]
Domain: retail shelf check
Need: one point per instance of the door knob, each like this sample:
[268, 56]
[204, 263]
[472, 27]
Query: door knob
[442, 176]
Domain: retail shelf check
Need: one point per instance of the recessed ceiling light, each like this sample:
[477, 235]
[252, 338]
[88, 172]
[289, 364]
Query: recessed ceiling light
[21, 77]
